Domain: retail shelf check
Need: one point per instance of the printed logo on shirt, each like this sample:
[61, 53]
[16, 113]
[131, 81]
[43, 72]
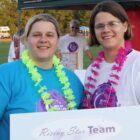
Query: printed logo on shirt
[104, 96]
[59, 101]
[73, 46]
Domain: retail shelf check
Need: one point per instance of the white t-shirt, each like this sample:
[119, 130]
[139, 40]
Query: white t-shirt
[11, 54]
[128, 89]
[72, 48]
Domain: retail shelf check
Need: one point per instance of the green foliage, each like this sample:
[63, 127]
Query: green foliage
[9, 16]
[65, 16]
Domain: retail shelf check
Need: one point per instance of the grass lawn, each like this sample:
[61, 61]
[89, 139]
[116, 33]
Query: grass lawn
[4, 48]
[94, 51]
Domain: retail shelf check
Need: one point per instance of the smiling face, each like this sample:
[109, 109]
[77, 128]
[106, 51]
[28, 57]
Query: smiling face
[42, 41]
[109, 30]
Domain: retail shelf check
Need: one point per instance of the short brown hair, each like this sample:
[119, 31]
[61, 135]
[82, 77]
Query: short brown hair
[116, 10]
[75, 22]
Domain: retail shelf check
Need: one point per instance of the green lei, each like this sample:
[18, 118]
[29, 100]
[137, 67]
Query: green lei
[37, 78]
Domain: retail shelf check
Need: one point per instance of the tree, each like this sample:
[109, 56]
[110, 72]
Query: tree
[10, 16]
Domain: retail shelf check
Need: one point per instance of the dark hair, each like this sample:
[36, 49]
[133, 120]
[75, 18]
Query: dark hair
[116, 10]
[75, 22]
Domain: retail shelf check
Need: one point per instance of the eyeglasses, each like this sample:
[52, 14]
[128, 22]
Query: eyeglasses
[75, 27]
[110, 25]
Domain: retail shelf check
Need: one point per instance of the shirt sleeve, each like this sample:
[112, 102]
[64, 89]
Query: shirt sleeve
[22, 48]
[136, 76]
[77, 87]
[137, 87]
[11, 53]
[4, 98]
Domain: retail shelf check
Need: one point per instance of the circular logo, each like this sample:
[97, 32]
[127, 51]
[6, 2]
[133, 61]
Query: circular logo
[104, 96]
[59, 102]
[73, 46]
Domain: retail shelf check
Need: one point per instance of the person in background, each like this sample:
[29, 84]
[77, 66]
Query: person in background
[72, 46]
[16, 47]
[112, 80]
[38, 81]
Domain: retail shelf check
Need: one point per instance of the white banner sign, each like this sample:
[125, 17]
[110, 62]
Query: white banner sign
[121, 123]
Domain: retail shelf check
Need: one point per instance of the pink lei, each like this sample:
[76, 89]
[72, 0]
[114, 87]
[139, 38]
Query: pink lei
[105, 94]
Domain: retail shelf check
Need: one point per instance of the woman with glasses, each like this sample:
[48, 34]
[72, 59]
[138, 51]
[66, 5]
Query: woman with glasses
[113, 78]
